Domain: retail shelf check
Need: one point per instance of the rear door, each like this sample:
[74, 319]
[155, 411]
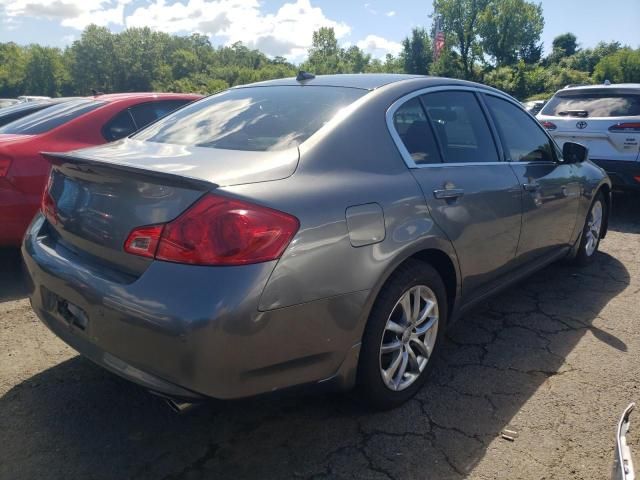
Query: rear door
[474, 198]
[551, 188]
[605, 120]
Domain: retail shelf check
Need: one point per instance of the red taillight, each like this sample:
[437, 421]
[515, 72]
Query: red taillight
[221, 231]
[144, 240]
[637, 178]
[47, 205]
[5, 163]
[549, 125]
[625, 127]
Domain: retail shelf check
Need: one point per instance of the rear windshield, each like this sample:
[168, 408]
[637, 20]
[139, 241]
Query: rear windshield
[593, 104]
[50, 118]
[253, 118]
[14, 112]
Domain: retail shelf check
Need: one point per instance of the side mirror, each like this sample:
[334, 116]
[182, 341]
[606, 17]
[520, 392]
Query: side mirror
[574, 152]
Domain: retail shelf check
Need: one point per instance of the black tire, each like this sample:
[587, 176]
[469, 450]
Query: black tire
[372, 388]
[586, 253]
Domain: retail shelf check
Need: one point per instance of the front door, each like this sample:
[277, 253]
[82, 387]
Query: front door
[551, 187]
[472, 196]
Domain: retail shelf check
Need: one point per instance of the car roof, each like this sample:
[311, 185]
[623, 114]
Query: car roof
[366, 81]
[601, 86]
[113, 97]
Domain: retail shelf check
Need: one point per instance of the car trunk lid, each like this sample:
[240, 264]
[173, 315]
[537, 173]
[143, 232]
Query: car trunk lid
[98, 196]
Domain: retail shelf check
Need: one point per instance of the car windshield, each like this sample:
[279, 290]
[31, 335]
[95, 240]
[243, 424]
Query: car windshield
[253, 118]
[598, 103]
[50, 118]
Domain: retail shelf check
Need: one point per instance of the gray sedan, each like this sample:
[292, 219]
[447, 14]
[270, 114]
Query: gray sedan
[315, 231]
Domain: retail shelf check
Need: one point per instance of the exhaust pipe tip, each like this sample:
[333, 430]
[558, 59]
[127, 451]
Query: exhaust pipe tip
[180, 407]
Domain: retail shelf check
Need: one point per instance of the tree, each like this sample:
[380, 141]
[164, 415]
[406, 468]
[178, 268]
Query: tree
[620, 67]
[43, 72]
[563, 46]
[355, 60]
[13, 64]
[510, 30]
[93, 60]
[587, 59]
[324, 54]
[416, 52]
[460, 17]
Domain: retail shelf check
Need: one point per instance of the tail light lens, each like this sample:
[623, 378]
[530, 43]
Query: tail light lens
[549, 125]
[625, 127]
[217, 231]
[47, 204]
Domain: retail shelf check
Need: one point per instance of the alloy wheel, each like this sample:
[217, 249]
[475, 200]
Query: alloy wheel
[409, 337]
[594, 227]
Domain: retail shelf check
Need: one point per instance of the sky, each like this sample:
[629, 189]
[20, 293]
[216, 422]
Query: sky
[284, 27]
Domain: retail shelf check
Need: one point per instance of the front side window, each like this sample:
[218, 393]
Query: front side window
[50, 118]
[253, 118]
[460, 126]
[523, 137]
[593, 103]
[413, 128]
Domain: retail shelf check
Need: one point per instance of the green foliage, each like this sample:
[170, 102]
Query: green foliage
[416, 52]
[461, 19]
[620, 67]
[511, 29]
[563, 46]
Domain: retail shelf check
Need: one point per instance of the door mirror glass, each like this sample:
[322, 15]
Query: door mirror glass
[574, 152]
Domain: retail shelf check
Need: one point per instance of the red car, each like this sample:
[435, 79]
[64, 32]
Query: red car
[68, 126]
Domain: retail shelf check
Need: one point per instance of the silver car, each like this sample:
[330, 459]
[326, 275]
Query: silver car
[313, 231]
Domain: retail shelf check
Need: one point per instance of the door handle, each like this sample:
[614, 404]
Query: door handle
[531, 187]
[448, 193]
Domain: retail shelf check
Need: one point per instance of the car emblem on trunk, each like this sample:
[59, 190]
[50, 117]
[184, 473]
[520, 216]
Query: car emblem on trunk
[581, 124]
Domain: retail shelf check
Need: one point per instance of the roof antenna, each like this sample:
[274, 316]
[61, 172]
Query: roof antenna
[95, 92]
[302, 76]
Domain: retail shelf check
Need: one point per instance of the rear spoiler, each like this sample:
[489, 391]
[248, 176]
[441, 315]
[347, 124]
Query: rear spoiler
[75, 162]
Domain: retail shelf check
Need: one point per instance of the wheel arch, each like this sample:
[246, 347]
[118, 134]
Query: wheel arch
[438, 253]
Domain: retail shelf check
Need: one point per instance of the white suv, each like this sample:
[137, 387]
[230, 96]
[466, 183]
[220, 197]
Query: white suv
[606, 120]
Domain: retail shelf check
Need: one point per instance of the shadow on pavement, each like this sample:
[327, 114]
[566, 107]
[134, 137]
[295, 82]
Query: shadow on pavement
[625, 215]
[77, 421]
[13, 284]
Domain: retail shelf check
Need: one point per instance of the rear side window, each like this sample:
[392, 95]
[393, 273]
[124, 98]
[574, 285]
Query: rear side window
[412, 126]
[253, 118]
[593, 104]
[146, 113]
[460, 126]
[139, 116]
[50, 118]
[119, 126]
[523, 138]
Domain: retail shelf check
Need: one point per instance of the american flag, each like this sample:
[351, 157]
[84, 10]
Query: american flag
[439, 39]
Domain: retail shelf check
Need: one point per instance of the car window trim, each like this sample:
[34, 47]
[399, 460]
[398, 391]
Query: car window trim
[404, 153]
[515, 103]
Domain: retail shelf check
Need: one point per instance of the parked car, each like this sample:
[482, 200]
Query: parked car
[534, 106]
[32, 98]
[604, 118]
[19, 110]
[7, 102]
[623, 461]
[322, 231]
[66, 126]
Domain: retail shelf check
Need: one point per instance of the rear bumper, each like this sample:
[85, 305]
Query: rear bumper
[622, 173]
[188, 331]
